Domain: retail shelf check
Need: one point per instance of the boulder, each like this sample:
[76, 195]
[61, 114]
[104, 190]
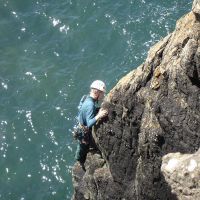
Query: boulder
[182, 172]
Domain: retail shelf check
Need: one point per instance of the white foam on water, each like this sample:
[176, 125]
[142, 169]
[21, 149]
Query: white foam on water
[64, 29]
[23, 29]
[54, 21]
[4, 122]
[44, 166]
[55, 173]
[20, 111]
[44, 14]
[29, 119]
[113, 21]
[148, 43]
[3, 144]
[45, 179]
[58, 108]
[70, 148]
[107, 16]
[55, 53]
[31, 74]
[69, 169]
[53, 138]
[15, 14]
[29, 175]
[4, 85]
[124, 31]
[7, 170]
[28, 73]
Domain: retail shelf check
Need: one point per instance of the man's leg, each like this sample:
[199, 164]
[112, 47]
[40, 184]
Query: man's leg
[81, 152]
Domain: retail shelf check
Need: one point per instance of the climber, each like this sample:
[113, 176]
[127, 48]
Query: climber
[87, 117]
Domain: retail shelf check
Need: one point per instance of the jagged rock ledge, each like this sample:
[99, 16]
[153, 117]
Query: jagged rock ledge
[182, 172]
[153, 111]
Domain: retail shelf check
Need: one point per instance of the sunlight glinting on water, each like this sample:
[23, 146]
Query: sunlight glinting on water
[50, 53]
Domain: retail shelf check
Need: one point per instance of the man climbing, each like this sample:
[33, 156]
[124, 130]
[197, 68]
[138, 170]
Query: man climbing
[87, 117]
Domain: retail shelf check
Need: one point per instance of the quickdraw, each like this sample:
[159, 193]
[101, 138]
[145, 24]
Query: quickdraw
[80, 131]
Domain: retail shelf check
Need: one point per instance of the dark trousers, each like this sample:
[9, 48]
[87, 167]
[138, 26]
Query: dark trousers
[81, 152]
[83, 147]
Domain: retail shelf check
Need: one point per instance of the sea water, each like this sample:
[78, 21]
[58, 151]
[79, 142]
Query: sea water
[50, 52]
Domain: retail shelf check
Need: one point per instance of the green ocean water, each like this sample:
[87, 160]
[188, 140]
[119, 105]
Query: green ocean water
[50, 52]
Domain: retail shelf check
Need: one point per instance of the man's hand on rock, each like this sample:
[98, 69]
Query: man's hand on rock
[101, 114]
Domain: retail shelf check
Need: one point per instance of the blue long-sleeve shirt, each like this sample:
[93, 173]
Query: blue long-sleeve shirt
[87, 112]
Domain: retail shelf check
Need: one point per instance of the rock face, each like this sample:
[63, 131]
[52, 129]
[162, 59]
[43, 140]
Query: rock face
[153, 111]
[182, 172]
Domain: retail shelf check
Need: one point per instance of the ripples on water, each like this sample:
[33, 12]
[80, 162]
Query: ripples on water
[50, 51]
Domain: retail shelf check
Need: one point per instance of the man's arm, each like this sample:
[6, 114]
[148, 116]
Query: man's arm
[91, 118]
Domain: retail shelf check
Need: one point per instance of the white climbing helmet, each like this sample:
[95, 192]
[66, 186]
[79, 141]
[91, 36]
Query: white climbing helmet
[99, 85]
